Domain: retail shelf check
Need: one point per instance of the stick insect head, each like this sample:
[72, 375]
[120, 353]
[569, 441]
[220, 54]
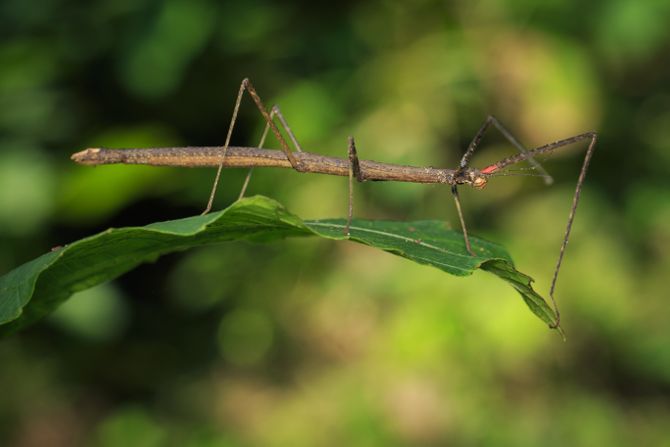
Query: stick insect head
[473, 177]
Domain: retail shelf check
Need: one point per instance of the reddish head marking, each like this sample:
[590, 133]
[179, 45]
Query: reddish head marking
[489, 169]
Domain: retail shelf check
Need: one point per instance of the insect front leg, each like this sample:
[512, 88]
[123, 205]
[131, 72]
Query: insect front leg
[492, 120]
[454, 192]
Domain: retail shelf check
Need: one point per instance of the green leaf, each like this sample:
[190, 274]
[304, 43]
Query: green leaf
[36, 288]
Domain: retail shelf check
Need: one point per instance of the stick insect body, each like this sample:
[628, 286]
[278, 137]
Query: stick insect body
[352, 167]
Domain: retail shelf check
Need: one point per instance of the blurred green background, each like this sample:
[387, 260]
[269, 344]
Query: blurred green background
[310, 342]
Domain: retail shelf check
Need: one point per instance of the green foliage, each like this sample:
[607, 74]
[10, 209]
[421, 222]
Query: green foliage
[36, 288]
[306, 342]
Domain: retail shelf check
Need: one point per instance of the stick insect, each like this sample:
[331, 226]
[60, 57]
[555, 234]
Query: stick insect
[351, 167]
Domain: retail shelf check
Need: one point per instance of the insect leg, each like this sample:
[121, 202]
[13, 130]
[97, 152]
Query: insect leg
[571, 217]
[246, 85]
[592, 136]
[274, 111]
[492, 120]
[354, 171]
[454, 192]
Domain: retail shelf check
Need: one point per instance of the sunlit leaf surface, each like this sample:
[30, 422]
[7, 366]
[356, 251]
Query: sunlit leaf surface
[38, 287]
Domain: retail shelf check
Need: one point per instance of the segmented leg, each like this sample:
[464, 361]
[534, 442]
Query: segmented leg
[465, 160]
[509, 137]
[457, 200]
[571, 218]
[354, 171]
[592, 136]
[273, 112]
[247, 86]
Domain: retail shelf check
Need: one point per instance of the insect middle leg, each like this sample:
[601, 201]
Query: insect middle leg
[354, 171]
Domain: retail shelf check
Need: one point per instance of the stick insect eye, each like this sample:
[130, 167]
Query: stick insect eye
[479, 182]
